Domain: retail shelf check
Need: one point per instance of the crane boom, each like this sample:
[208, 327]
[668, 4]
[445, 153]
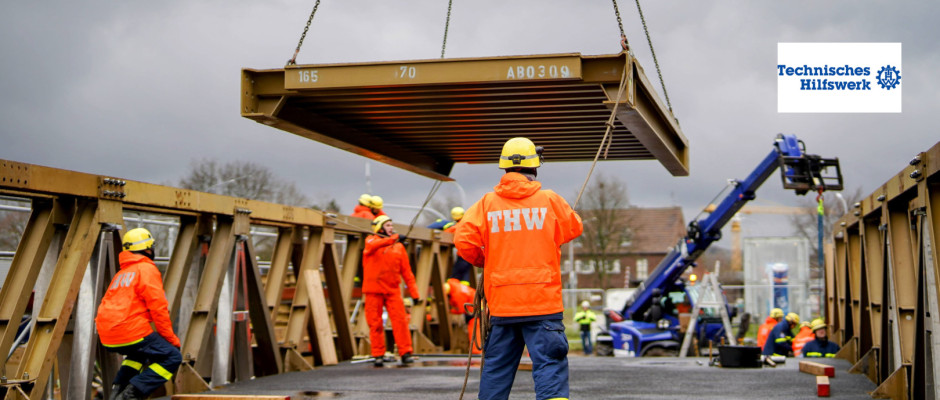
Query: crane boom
[799, 171]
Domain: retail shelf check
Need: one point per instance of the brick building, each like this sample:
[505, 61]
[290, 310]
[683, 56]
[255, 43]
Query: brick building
[654, 231]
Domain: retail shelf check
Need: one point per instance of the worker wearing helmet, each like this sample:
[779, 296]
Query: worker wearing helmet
[459, 295]
[584, 318]
[820, 346]
[514, 233]
[456, 213]
[780, 340]
[802, 337]
[364, 208]
[384, 263]
[376, 204]
[134, 300]
[772, 320]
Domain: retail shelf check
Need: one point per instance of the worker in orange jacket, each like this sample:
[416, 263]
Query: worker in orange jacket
[375, 204]
[514, 233]
[458, 295]
[804, 336]
[764, 330]
[135, 299]
[364, 208]
[384, 263]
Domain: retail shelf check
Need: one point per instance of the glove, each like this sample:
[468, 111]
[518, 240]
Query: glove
[402, 238]
[418, 301]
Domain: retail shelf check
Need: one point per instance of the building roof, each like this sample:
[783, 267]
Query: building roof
[426, 115]
[655, 230]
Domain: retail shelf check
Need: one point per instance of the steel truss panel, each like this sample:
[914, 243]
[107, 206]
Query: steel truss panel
[425, 115]
[70, 210]
[883, 293]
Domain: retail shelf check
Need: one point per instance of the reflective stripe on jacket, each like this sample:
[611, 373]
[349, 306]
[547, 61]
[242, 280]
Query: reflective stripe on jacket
[384, 263]
[362, 211]
[779, 342]
[134, 299]
[514, 233]
[802, 338]
[584, 317]
[816, 348]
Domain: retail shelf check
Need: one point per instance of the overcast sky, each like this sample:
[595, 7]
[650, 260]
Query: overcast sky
[140, 89]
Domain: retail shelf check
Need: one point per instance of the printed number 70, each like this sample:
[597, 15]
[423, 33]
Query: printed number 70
[405, 70]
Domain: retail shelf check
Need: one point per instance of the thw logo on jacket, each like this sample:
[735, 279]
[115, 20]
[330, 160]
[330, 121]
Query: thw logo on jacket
[534, 219]
[124, 279]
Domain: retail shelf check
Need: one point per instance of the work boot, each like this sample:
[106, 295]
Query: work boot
[407, 358]
[131, 392]
[379, 362]
[116, 390]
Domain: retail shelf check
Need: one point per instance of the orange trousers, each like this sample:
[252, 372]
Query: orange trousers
[396, 313]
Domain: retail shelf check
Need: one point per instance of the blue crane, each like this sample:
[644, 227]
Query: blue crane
[800, 172]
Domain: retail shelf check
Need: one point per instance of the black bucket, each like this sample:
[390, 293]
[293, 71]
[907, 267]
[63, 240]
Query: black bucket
[739, 356]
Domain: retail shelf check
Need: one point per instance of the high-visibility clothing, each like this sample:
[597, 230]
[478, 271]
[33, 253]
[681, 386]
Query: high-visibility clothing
[384, 263]
[802, 338]
[514, 233]
[134, 299]
[584, 318]
[378, 211]
[362, 211]
[780, 340]
[148, 364]
[451, 226]
[764, 330]
[459, 295]
[396, 314]
[818, 348]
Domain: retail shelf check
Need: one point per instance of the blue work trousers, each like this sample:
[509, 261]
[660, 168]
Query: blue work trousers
[586, 342]
[148, 364]
[548, 348]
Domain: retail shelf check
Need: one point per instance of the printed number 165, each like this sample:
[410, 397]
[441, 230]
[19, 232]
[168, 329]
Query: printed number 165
[308, 75]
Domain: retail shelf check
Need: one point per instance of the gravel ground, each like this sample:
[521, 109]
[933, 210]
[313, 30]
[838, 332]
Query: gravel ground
[590, 378]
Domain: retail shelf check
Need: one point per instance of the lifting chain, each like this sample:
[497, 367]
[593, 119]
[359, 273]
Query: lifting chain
[450, 5]
[623, 36]
[293, 60]
[655, 61]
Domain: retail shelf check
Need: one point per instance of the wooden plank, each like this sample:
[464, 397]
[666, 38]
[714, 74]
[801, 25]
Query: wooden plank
[822, 386]
[815, 368]
[321, 317]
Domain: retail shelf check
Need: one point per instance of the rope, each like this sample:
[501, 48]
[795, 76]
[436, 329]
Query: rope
[437, 185]
[293, 60]
[605, 144]
[450, 5]
[655, 61]
[481, 316]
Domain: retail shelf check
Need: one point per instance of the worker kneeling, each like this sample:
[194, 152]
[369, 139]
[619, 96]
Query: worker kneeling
[133, 301]
[514, 234]
[780, 340]
[384, 262]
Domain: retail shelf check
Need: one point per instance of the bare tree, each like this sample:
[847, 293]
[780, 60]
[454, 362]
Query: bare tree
[242, 179]
[607, 230]
[12, 225]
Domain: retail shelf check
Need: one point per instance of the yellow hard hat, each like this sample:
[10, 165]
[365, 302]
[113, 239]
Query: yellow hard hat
[365, 199]
[137, 239]
[585, 304]
[793, 318]
[804, 324]
[776, 313]
[379, 221]
[520, 152]
[818, 324]
[408, 302]
[376, 202]
[457, 213]
[447, 288]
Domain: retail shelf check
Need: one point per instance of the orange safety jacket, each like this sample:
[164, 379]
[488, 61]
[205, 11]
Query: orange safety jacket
[460, 294]
[362, 211]
[514, 233]
[805, 336]
[764, 330]
[384, 263]
[134, 299]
